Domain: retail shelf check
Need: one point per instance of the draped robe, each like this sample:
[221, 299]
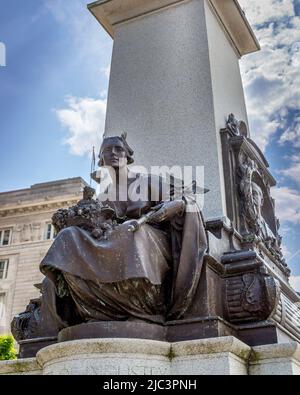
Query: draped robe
[151, 274]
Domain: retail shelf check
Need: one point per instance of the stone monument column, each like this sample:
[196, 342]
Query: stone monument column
[175, 77]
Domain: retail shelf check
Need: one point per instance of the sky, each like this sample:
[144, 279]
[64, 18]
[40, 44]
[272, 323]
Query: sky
[53, 93]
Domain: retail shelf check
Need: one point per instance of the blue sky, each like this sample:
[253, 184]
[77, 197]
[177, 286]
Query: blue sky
[56, 55]
[53, 96]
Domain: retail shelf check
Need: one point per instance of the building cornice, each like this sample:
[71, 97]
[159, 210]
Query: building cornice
[14, 248]
[41, 206]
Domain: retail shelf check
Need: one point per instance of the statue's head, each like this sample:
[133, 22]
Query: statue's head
[115, 152]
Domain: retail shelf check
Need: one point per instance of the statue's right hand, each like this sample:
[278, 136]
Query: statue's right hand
[132, 225]
[95, 177]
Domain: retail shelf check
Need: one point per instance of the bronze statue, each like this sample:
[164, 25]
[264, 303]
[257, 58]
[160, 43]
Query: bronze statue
[141, 262]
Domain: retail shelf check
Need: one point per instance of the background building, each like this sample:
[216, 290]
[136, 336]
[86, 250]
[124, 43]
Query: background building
[26, 234]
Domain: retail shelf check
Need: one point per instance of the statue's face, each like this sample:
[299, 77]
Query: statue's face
[113, 153]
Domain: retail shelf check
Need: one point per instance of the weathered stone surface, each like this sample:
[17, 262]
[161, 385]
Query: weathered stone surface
[276, 359]
[222, 356]
[219, 356]
[20, 367]
[106, 357]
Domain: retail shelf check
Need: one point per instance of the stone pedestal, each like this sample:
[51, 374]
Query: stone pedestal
[276, 359]
[175, 77]
[22, 367]
[223, 356]
[219, 356]
[106, 357]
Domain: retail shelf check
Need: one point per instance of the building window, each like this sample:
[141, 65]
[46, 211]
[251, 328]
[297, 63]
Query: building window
[4, 269]
[49, 232]
[2, 306]
[5, 237]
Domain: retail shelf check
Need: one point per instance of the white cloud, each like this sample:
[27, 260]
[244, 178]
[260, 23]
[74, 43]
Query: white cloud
[106, 71]
[285, 250]
[259, 11]
[103, 93]
[293, 172]
[293, 158]
[93, 45]
[287, 204]
[84, 118]
[271, 76]
[292, 135]
[295, 283]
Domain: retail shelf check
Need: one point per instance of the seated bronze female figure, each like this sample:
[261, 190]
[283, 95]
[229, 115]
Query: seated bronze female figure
[145, 267]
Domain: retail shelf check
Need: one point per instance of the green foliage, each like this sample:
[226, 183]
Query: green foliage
[7, 349]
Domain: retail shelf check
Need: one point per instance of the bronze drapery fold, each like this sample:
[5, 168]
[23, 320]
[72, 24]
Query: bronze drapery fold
[189, 244]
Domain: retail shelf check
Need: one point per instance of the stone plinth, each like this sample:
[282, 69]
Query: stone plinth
[106, 357]
[276, 359]
[223, 356]
[219, 356]
[28, 366]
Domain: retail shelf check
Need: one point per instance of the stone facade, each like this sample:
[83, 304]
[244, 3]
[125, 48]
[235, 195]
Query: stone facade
[26, 234]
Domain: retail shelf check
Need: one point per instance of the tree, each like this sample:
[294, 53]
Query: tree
[7, 349]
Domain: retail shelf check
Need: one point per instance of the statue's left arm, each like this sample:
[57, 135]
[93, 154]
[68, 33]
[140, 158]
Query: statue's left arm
[168, 211]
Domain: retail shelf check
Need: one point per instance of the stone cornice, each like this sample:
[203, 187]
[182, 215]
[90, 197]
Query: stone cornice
[236, 25]
[37, 207]
[110, 13]
[113, 12]
[14, 248]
